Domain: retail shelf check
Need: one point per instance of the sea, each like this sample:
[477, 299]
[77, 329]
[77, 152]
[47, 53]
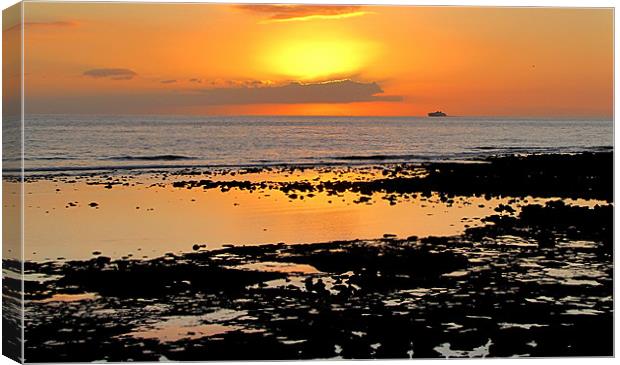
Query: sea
[65, 143]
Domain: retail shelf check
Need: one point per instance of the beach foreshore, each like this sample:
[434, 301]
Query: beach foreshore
[530, 275]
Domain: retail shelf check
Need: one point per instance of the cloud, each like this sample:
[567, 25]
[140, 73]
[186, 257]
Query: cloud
[340, 91]
[168, 81]
[219, 83]
[110, 73]
[333, 92]
[198, 81]
[289, 13]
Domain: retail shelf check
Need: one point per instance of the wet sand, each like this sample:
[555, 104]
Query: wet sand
[503, 257]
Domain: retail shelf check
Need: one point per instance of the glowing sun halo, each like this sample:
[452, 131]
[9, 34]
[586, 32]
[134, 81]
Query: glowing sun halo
[310, 60]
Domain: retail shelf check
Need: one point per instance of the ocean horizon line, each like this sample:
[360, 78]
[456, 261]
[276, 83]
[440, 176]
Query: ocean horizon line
[449, 116]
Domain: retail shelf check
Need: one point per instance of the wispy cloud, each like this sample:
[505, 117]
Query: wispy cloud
[168, 81]
[292, 13]
[232, 83]
[110, 73]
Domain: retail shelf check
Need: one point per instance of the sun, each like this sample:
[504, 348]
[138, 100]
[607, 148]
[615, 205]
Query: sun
[319, 59]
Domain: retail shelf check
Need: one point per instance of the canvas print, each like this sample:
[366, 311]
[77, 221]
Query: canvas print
[276, 181]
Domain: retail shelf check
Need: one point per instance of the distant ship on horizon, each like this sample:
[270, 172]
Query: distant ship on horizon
[437, 114]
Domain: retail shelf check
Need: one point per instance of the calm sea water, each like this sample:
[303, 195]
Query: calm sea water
[63, 143]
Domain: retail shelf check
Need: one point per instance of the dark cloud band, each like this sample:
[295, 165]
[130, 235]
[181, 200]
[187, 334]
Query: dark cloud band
[334, 92]
[342, 91]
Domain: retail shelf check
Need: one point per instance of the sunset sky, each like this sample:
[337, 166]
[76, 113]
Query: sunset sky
[317, 60]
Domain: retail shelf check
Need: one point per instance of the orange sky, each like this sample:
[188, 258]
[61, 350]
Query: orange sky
[316, 60]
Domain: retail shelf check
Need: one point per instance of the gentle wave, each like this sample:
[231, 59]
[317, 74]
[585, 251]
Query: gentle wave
[44, 158]
[378, 157]
[150, 158]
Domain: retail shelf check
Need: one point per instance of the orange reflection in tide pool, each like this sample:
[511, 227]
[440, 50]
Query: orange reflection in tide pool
[141, 221]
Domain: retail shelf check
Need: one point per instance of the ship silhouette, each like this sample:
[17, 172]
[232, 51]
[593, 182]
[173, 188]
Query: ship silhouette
[437, 114]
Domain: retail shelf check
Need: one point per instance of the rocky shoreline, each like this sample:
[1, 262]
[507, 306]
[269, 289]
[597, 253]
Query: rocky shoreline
[533, 280]
[587, 175]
